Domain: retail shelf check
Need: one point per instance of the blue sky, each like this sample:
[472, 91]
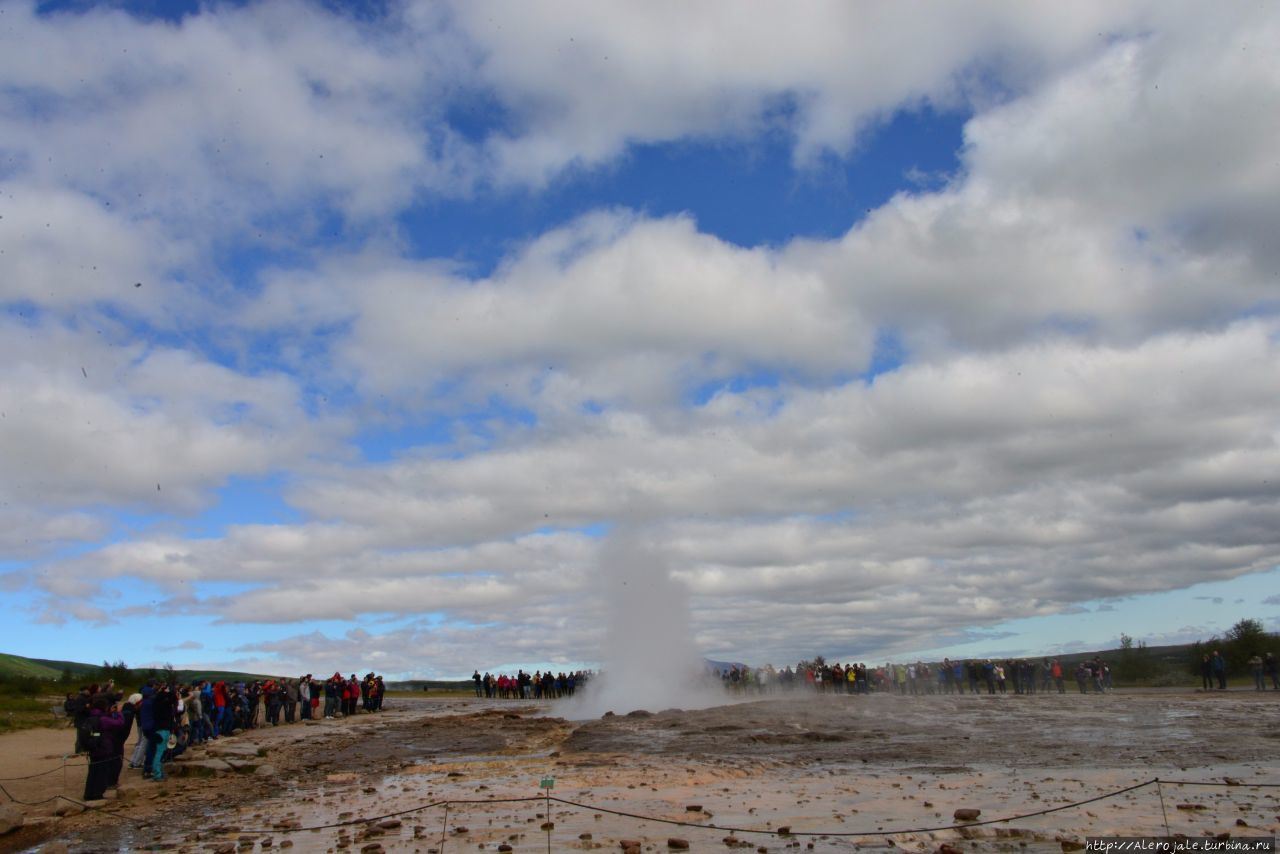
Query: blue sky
[342, 337]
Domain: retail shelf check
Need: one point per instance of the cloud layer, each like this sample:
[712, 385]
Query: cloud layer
[1050, 380]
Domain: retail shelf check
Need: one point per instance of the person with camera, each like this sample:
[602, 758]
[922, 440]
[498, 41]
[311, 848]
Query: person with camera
[102, 727]
[164, 717]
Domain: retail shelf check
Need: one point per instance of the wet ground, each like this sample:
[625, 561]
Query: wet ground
[879, 766]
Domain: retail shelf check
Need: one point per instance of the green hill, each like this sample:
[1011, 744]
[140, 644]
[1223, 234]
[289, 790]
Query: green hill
[51, 670]
[15, 666]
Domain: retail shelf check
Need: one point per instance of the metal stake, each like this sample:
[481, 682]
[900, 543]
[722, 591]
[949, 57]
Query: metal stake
[1163, 811]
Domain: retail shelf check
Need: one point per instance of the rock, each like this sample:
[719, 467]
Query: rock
[629, 843]
[389, 823]
[948, 848]
[11, 818]
[504, 847]
[548, 825]
[461, 830]
[584, 835]
[67, 808]
[264, 771]
[224, 847]
[200, 768]
[372, 848]
[1241, 823]
[967, 814]
[640, 713]
[677, 844]
[54, 848]
[341, 777]
[1191, 807]
[1071, 845]
[693, 808]
[785, 830]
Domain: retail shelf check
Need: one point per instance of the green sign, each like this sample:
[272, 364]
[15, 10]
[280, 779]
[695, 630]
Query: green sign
[547, 783]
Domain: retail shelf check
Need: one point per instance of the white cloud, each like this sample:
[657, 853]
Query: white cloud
[104, 424]
[1087, 407]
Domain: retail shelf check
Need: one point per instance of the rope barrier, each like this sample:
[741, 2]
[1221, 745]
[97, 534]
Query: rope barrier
[447, 803]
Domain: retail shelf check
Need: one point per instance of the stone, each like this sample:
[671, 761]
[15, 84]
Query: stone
[200, 768]
[264, 771]
[948, 848]
[389, 823]
[372, 848]
[67, 808]
[693, 808]
[629, 843]
[677, 844]
[11, 818]
[967, 814]
[1191, 807]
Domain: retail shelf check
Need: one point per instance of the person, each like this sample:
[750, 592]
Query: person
[475, 677]
[1272, 671]
[128, 712]
[1055, 671]
[1220, 670]
[77, 709]
[102, 726]
[290, 700]
[146, 731]
[163, 721]
[1255, 667]
[1206, 673]
[332, 689]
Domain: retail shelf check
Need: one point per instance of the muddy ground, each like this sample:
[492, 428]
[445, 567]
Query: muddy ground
[881, 766]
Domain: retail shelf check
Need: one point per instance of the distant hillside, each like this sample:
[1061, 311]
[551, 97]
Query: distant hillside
[17, 666]
[52, 670]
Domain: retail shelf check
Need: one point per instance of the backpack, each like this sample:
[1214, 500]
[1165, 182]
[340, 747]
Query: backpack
[91, 737]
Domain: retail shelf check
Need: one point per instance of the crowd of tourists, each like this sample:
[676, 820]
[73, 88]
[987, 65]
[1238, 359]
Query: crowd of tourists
[171, 717]
[974, 676]
[1213, 672]
[525, 686]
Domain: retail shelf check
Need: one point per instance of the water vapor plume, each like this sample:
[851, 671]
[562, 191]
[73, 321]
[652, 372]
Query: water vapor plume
[649, 659]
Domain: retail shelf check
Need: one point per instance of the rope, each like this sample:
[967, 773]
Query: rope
[641, 817]
[730, 829]
[852, 833]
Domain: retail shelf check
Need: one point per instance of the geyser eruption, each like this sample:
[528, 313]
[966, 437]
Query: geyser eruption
[649, 660]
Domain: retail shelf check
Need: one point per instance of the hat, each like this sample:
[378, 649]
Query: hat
[135, 699]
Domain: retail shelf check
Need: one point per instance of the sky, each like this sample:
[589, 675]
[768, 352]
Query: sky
[348, 335]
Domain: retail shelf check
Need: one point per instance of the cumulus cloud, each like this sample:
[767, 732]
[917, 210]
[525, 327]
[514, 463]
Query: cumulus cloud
[1085, 406]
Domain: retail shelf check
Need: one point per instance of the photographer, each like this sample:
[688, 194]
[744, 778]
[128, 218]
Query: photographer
[102, 730]
[164, 718]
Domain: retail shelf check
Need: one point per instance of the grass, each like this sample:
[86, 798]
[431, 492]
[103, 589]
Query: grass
[21, 712]
[17, 666]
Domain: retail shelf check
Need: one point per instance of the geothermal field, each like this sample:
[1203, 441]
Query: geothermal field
[799, 771]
